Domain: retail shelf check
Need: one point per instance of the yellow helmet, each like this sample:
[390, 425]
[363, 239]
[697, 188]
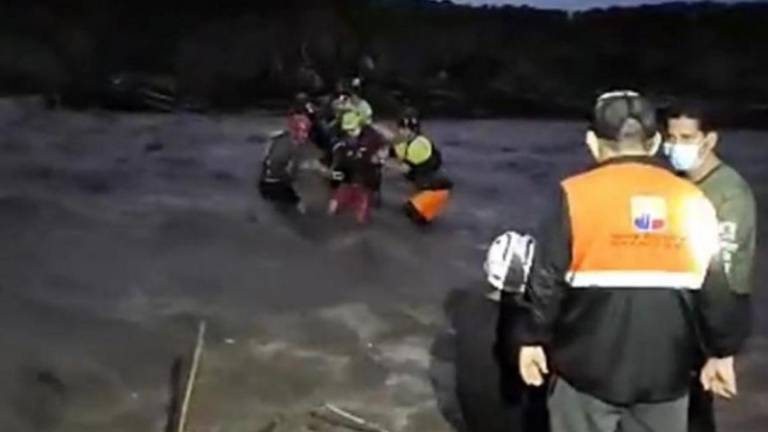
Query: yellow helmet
[350, 121]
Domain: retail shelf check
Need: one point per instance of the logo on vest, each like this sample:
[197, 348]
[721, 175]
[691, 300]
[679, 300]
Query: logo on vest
[649, 213]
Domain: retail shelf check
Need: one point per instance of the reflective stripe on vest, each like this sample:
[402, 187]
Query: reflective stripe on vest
[634, 279]
[638, 226]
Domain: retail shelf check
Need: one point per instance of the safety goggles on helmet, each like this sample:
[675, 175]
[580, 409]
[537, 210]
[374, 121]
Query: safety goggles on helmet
[613, 109]
[411, 123]
[509, 260]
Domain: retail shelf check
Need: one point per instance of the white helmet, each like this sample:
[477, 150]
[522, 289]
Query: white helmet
[508, 262]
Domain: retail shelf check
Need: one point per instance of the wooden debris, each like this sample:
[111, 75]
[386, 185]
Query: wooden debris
[336, 416]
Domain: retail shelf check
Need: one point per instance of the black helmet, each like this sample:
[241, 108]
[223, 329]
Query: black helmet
[410, 119]
[301, 98]
[343, 88]
[300, 103]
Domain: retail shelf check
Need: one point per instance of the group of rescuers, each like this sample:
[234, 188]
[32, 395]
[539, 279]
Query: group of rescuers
[353, 153]
[638, 296]
[637, 293]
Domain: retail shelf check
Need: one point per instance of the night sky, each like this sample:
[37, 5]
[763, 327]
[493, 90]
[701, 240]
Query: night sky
[570, 4]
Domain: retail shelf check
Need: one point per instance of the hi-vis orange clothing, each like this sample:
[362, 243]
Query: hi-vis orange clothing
[618, 284]
[429, 203]
[655, 230]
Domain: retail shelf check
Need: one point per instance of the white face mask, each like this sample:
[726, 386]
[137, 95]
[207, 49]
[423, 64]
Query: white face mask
[683, 157]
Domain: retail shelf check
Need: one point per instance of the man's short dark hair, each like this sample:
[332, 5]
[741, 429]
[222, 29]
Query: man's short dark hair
[624, 119]
[698, 111]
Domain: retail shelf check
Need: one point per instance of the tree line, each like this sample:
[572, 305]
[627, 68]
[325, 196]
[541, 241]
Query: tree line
[447, 58]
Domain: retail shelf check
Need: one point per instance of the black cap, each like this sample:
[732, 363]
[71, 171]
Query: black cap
[614, 109]
[410, 119]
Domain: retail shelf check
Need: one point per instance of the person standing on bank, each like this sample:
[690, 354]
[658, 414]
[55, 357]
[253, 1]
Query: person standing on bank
[690, 145]
[626, 279]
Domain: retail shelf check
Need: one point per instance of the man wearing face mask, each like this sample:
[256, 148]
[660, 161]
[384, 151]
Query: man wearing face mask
[690, 147]
[622, 265]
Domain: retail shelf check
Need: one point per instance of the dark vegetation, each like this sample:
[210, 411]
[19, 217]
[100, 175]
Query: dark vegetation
[446, 58]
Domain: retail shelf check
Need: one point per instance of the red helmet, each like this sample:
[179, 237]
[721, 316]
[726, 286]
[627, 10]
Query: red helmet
[298, 127]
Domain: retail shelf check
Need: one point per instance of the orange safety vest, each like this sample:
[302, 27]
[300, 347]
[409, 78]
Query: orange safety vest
[636, 225]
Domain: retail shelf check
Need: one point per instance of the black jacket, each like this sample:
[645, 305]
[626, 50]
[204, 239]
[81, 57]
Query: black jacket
[357, 158]
[280, 159]
[624, 346]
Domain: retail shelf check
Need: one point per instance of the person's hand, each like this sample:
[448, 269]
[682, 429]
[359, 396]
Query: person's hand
[533, 365]
[337, 175]
[387, 133]
[396, 166]
[301, 208]
[310, 165]
[719, 377]
[382, 154]
[333, 207]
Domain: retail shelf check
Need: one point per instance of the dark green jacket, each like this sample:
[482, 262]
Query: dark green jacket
[737, 213]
